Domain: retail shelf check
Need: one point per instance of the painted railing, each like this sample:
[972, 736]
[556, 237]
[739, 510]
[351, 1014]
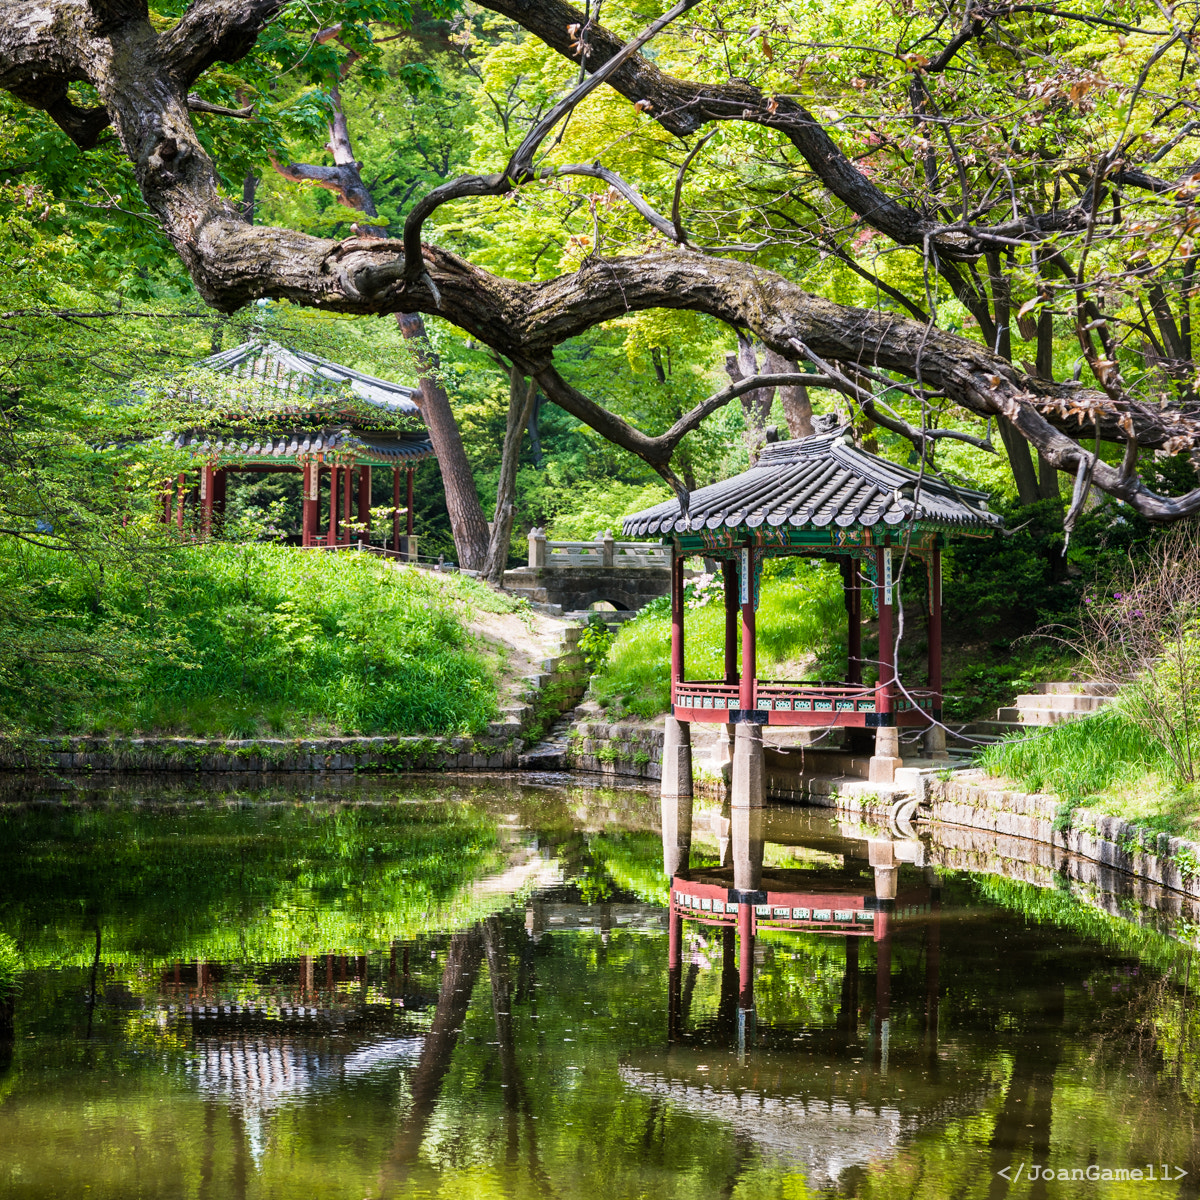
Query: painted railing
[604, 553]
[804, 703]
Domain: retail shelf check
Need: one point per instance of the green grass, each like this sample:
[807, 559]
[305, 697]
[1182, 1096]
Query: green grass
[1102, 762]
[259, 640]
[801, 622]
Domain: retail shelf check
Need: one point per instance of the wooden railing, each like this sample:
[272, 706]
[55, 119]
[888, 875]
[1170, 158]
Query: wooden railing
[604, 553]
[803, 703]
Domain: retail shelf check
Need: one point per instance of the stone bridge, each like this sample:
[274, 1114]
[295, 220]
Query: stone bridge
[576, 575]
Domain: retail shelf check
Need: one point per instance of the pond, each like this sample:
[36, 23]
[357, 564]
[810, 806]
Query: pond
[447, 988]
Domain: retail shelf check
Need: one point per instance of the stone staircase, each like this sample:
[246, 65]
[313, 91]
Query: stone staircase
[1047, 704]
[542, 700]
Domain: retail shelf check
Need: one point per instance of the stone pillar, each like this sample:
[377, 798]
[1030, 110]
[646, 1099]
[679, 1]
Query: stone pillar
[749, 770]
[722, 752]
[608, 549]
[935, 742]
[676, 796]
[885, 760]
[537, 547]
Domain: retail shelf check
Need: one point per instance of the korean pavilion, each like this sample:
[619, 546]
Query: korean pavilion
[818, 497]
[306, 415]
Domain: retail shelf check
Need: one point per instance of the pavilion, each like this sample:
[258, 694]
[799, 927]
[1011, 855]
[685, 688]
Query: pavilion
[302, 414]
[817, 497]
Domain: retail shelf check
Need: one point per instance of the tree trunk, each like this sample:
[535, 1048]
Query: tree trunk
[521, 396]
[467, 521]
[797, 407]
[462, 500]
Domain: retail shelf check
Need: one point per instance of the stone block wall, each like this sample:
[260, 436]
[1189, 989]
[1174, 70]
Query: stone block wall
[630, 751]
[167, 754]
[973, 801]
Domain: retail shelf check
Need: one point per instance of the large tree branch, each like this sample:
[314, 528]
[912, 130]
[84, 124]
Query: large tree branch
[232, 262]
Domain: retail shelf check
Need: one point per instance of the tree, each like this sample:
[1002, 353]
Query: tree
[972, 207]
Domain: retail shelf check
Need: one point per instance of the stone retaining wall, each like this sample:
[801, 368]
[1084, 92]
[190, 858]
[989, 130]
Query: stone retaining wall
[971, 800]
[631, 751]
[260, 754]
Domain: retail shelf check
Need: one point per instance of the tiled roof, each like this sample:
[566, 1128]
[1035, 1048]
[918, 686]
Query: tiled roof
[299, 443]
[296, 376]
[819, 481]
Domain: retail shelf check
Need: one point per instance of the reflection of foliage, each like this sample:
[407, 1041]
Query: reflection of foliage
[1071, 909]
[215, 883]
[634, 862]
[10, 966]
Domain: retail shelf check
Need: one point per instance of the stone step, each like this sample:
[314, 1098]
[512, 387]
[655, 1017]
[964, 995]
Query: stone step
[1062, 702]
[1077, 689]
[504, 729]
[1037, 716]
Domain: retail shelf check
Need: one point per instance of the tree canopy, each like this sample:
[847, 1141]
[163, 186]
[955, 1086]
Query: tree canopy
[888, 201]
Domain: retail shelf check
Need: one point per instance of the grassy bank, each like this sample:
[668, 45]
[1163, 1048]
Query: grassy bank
[1103, 762]
[801, 631]
[243, 641]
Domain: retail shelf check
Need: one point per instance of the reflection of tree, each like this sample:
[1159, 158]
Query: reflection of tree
[1023, 1123]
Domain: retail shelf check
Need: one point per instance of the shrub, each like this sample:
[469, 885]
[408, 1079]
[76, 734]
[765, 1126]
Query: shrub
[232, 640]
[1079, 758]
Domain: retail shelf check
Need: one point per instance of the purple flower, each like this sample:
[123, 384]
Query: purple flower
[1118, 596]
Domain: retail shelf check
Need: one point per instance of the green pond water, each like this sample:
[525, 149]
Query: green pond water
[431, 988]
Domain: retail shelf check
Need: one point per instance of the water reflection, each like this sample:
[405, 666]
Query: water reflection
[497, 992]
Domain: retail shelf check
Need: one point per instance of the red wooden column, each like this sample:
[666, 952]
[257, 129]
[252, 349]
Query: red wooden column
[331, 538]
[730, 579]
[409, 494]
[677, 650]
[180, 493]
[749, 657]
[887, 633]
[206, 500]
[396, 510]
[364, 501]
[344, 540]
[935, 631]
[853, 589]
[309, 510]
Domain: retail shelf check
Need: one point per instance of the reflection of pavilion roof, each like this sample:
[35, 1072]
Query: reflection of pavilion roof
[263, 1072]
[294, 376]
[822, 1132]
[819, 481]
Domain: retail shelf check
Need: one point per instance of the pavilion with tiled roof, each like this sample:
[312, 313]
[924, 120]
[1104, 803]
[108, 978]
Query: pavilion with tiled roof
[820, 497]
[300, 413]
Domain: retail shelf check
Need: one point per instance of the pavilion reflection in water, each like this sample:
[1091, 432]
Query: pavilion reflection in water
[825, 1096]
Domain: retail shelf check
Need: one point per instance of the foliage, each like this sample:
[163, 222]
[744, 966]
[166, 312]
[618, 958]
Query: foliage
[800, 633]
[598, 504]
[595, 642]
[232, 639]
